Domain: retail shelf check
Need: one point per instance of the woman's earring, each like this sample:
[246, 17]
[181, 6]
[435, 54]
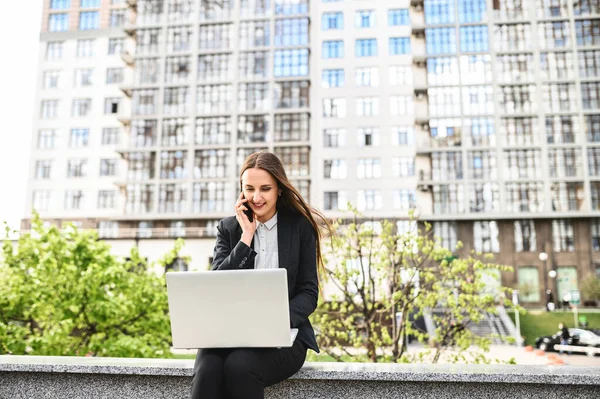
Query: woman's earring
[280, 193]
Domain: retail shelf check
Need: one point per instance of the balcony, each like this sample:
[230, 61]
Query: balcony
[417, 18]
[127, 58]
[426, 145]
[130, 29]
[162, 232]
[132, 4]
[127, 89]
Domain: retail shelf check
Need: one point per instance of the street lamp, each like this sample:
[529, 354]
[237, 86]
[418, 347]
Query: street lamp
[544, 257]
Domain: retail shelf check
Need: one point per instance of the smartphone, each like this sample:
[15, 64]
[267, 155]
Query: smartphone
[249, 212]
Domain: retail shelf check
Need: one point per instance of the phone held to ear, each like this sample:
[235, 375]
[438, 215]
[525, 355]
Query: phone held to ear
[250, 214]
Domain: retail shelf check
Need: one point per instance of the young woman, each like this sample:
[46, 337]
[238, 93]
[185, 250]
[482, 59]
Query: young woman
[284, 232]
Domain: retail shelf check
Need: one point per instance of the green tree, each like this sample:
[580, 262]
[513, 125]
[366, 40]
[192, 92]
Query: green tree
[383, 280]
[64, 293]
[590, 288]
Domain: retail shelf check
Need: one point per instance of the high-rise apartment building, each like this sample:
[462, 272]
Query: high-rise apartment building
[483, 116]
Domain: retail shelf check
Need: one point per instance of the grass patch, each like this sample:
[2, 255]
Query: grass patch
[539, 323]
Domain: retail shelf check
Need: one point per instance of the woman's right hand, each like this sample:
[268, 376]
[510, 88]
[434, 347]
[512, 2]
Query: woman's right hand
[248, 227]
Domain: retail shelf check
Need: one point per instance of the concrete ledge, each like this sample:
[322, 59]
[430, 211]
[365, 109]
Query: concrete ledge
[63, 377]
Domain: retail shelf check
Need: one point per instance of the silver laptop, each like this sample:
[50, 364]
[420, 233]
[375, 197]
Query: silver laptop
[230, 309]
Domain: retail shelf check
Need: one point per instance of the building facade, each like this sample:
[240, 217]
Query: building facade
[482, 116]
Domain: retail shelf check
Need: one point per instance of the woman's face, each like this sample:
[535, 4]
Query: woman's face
[261, 191]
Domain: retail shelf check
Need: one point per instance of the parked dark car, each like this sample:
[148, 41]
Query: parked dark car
[579, 337]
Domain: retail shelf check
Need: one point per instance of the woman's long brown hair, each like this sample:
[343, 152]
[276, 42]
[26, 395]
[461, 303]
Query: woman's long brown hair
[290, 198]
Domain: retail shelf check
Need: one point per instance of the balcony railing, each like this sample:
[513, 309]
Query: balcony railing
[159, 232]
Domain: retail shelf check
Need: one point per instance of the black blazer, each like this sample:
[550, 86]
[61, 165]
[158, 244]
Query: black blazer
[296, 243]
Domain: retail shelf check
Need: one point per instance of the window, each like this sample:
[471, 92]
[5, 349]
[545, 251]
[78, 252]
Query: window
[364, 19]
[447, 165]
[400, 75]
[176, 100]
[108, 167]
[515, 67]
[369, 200]
[592, 128]
[368, 76]
[333, 49]
[334, 107]
[399, 45]
[110, 135]
[49, 109]
[140, 165]
[216, 67]
[139, 198]
[254, 65]
[334, 200]
[84, 77]
[589, 63]
[403, 166]
[367, 106]
[593, 155]
[486, 236]
[60, 4]
[559, 97]
[448, 199]
[587, 32]
[519, 131]
[295, 160]
[115, 46]
[484, 197]
[444, 101]
[211, 164]
[367, 137]
[480, 131]
[290, 7]
[557, 65]
[143, 133]
[402, 135]
[439, 12]
[482, 165]
[58, 22]
[332, 78]
[332, 20]
[90, 3]
[117, 18]
[173, 165]
[292, 127]
[398, 16]
[54, 51]
[522, 164]
[567, 196]
[528, 278]
[255, 8]
[46, 139]
[476, 69]
[291, 63]
[525, 239]
[368, 168]
[106, 199]
[51, 79]
[211, 10]
[470, 11]
[42, 200]
[253, 34]
[590, 95]
[213, 130]
[76, 168]
[525, 197]
[172, 198]
[518, 99]
[334, 169]
[404, 199]
[595, 189]
[43, 169]
[255, 128]
[440, 41]
[177, 229]
[291, 32]
[333, 138]
[211, 197]
[561, 129]
[214, 98]
[366, 48]
[147, 70]
[401, 105]
[595, 232]
[175, 132]
[179, 39]
[564, 162]
[445, 232]
[178, 69]
[219, 36]
[253, 96]
[86, 48]
[79, 138]
[89, 20]
[81, 107]
[563, 235]
[441, 70]
[111, 105]
[513, 37]
[474, 39]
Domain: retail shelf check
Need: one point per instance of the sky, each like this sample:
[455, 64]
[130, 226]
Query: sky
[19, 35]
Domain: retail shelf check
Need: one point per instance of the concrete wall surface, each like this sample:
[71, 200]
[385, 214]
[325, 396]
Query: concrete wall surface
[34, 377]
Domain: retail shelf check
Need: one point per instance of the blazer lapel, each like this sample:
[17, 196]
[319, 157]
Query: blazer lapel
[284, 239]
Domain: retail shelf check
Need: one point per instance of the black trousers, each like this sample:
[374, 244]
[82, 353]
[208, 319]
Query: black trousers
[243, 372]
